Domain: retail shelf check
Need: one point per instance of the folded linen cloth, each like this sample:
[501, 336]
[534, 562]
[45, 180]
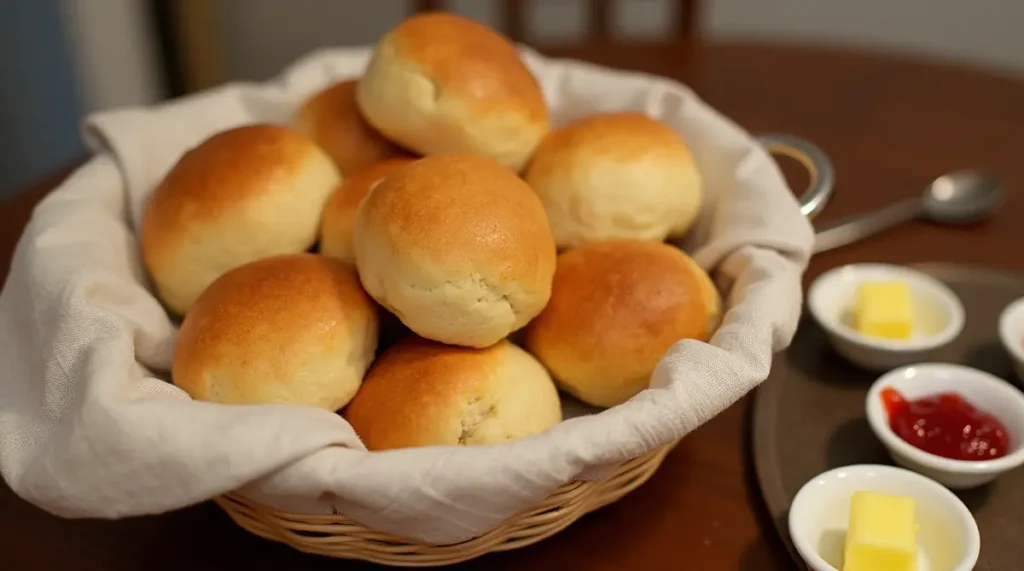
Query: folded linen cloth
[90, 427]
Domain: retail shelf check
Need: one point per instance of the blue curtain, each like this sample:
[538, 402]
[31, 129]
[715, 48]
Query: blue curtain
[40, 104]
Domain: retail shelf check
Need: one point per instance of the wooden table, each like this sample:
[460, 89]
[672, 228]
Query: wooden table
[890, 126]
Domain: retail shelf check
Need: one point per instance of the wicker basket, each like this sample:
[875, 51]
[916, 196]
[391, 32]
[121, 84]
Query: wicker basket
[339, 536]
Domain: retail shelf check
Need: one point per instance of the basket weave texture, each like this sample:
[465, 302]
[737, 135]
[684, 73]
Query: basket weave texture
[341, 537]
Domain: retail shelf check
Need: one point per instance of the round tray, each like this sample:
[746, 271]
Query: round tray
[809, 414]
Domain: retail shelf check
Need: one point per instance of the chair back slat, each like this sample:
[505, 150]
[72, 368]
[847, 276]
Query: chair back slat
[599, 18]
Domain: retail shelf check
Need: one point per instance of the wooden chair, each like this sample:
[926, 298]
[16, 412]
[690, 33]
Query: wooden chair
[600, 12]
[601, 43]
[194, 54]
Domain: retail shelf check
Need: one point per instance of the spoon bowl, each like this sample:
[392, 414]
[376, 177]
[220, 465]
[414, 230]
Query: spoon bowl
[962, 197]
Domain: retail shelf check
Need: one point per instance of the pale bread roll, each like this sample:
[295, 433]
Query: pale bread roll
[291, 329]
[340, 211]
[331, 118]
[458, 247]
[615, 310]
[422, 393]
[241, 195]
[616, 176]
[442, 83]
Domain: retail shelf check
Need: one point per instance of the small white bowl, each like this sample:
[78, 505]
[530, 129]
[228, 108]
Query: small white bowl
[1011, 334]
[938, 311]
[986, 392]
[947, 537]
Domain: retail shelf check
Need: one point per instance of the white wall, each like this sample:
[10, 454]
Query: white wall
[114, 50]
[263, 35]
[989, 33]
[260, 37]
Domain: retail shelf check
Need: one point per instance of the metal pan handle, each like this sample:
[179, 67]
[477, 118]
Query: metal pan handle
[812, 158]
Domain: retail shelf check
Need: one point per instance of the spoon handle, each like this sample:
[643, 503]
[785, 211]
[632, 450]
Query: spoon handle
[849, 230]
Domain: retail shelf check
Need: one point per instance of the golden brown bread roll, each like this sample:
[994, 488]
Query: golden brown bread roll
[340, 210]
[422, 393]
[241, 195]
[615, 310]
[616, 176]
[332, 120]
[291, 329]
[458, 247]
[442, 83]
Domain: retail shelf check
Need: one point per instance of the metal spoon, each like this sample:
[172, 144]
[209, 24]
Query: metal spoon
[960, 197]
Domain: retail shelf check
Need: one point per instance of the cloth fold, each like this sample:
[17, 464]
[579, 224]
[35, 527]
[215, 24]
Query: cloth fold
[90, 427]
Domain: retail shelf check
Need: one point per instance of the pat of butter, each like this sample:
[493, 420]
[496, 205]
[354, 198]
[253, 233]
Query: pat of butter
[882, 534]
[884, 309]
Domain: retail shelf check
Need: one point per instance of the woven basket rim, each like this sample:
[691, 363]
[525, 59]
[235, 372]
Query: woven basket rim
[339, 536]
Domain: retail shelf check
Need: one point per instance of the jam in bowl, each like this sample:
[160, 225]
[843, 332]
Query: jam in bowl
[947, 425]
[957, 425]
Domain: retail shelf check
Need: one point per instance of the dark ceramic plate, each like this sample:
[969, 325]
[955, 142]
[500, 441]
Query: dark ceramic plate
[809, 415]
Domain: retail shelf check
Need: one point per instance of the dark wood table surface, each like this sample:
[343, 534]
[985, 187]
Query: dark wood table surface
[889, 124]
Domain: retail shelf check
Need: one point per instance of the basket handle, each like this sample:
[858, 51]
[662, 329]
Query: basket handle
[817, 163]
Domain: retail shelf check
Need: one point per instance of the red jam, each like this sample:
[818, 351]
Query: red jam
[946, 425]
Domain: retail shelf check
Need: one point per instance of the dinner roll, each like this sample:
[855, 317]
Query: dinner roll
[616, 176]
[615, 310]
[340, 210]
[422, 393]
[241, 195]
[442, 83]
[290, 329]
[332, 120]
[457, 247]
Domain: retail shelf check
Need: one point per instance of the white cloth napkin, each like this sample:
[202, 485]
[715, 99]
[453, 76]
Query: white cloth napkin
[89, 426]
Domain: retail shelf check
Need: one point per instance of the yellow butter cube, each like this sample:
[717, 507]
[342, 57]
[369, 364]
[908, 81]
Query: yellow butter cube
[884, 309]
[882, 534]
